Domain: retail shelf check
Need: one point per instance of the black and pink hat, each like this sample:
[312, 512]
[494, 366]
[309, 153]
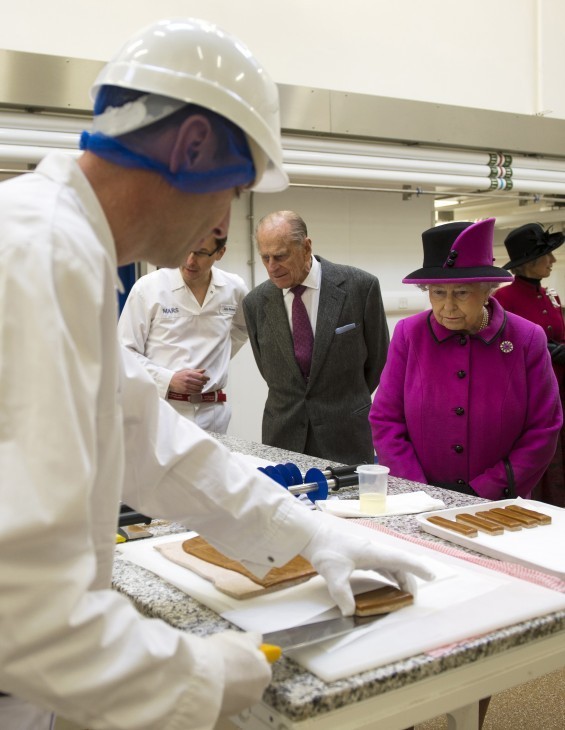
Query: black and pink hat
[460, 251]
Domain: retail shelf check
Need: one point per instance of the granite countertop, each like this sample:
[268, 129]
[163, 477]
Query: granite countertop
[295, 692]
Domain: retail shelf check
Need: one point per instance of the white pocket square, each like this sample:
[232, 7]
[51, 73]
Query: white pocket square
[345, 328]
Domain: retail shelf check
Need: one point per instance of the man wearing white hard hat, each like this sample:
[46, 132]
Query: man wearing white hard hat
[175, 136]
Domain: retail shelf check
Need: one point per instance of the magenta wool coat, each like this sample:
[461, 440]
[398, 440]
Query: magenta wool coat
[468, 409]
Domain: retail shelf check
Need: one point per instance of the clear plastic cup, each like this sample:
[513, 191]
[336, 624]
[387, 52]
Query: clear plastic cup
[373, 486]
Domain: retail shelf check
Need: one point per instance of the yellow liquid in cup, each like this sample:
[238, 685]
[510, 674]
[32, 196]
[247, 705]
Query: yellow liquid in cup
[372, 503]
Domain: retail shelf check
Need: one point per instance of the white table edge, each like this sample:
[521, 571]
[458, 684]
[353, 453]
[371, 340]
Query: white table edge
[455, 692]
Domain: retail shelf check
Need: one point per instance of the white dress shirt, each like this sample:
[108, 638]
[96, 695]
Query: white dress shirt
[311, 297]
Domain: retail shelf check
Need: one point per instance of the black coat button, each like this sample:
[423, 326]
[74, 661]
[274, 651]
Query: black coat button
[458, 449]
[462, 340]
[461, 482]
[449, 262]
[461, 374]
[453, 254]
[460, 411]
[506, 492]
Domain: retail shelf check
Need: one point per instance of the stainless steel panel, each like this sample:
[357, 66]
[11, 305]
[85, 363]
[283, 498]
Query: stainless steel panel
[60, 84]
[401, 120]
[57, 83]
[304, 109]
[35, 80]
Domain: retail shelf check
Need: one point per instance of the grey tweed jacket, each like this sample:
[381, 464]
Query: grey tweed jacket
[350, 348]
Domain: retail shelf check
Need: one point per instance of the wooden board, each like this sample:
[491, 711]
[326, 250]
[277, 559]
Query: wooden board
[382, 600]
[230, 576]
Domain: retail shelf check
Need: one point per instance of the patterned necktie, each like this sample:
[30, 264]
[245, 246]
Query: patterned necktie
[301, 332]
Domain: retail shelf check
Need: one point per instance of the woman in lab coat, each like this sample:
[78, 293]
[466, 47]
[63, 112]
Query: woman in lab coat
[468, 400]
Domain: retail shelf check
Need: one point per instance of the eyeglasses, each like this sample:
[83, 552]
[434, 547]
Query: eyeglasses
[200, 254]
[221, 242]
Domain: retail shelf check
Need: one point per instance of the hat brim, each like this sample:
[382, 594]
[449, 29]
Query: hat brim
[512, 264]
[440, 275]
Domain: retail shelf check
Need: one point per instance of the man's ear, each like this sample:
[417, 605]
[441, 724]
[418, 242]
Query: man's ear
[195, 145]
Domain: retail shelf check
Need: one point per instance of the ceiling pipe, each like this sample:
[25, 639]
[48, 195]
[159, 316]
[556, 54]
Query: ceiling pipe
[24, 155]
[26, 137]
[315, 174]
[300, 157]
[325, 145]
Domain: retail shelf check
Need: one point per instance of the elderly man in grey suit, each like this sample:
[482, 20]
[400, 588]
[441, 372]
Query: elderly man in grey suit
[321, 361]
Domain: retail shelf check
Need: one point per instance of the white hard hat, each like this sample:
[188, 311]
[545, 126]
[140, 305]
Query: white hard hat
[198, 63]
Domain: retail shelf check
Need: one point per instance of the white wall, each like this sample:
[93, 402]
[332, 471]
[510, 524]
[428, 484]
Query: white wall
[505, 55]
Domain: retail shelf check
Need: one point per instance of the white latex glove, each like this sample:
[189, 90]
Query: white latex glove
[335, 555]
[246, 670]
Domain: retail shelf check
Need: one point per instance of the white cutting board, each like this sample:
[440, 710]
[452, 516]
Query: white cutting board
[541, 548]
[465, 600]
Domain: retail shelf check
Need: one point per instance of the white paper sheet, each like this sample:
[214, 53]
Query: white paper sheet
[306, 603]
[408, 503]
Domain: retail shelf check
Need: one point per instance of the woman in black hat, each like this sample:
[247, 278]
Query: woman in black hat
[530, 249]
[467, 400]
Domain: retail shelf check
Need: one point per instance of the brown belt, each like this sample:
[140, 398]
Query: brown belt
[214, 396]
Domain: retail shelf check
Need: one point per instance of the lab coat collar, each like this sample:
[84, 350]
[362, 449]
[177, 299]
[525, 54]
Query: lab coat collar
[177, 282]
[217, 279]
[64, 170]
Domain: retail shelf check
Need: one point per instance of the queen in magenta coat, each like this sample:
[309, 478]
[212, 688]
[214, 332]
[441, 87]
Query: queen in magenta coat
[468, 399]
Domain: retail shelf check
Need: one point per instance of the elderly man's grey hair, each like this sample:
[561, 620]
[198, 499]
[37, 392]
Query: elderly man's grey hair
[296, 225]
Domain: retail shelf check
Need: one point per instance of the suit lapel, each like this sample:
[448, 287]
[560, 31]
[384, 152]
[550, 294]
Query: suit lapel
[332, 298]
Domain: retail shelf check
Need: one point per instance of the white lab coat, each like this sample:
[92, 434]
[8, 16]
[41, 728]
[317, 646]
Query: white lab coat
[167, 330]
[81, 429]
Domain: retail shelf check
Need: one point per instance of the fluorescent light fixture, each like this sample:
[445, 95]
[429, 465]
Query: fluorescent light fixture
[446, 202]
